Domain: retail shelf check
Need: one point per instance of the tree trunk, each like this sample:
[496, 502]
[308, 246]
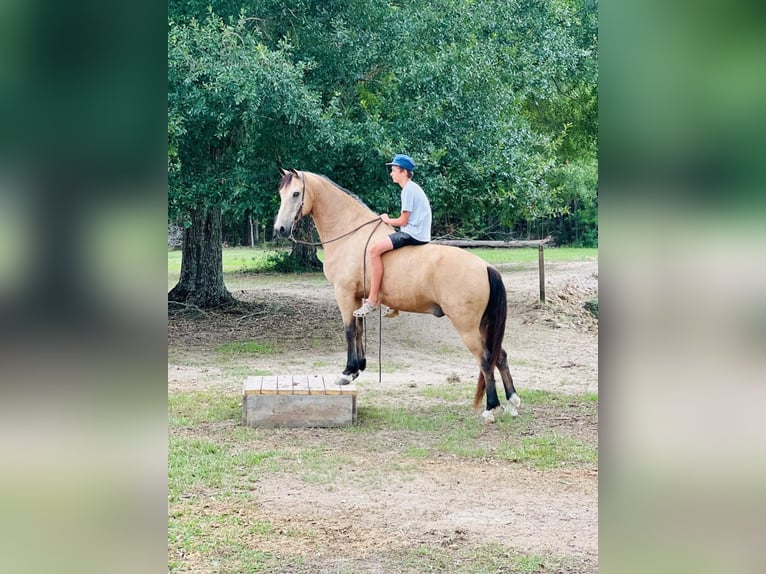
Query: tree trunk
[305, 256]
[201, 281]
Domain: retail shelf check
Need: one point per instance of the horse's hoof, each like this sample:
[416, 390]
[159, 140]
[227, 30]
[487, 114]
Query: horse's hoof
[391, 314]
[345, 379]
[487, 417]
[513, 403]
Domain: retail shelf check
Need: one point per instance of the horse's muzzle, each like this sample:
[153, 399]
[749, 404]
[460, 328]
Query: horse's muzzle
[280, 231]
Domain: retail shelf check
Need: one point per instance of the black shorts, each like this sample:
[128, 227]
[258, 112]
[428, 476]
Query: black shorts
[400, 239]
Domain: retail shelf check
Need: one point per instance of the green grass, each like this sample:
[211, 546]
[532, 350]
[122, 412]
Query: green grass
[192, 408]
[235, 259]
[451, 556]
[425, 420]
[455, 393]
[417, 452]
[245, 348]
[451, 430]
[549, 452]
[516, 255]
[215, 465]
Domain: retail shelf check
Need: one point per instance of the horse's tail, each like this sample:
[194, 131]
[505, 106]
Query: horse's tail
[492, 327]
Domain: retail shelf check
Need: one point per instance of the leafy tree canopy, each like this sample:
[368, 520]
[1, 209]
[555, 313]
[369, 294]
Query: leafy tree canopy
[495, 99]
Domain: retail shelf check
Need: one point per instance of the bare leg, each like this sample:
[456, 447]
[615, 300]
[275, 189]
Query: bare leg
[376, 268]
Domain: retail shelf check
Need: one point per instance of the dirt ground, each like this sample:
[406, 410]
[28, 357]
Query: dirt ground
[552, 348]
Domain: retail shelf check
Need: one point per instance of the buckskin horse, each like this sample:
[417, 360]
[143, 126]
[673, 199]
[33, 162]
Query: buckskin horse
[436, 279]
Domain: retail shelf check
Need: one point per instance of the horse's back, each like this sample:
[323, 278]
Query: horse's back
[416, 278]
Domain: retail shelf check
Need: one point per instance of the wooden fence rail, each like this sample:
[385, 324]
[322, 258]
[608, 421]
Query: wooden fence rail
[539, 243]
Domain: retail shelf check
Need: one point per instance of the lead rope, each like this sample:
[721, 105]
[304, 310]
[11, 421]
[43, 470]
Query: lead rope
[380, 308]
[380, 346]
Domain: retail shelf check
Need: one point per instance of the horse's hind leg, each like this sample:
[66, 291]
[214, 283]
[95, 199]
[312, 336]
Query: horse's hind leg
[493, 402]
[510, 391]
[486, 384]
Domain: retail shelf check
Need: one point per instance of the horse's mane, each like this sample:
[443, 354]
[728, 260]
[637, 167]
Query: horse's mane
[288, 176]
[343, 189]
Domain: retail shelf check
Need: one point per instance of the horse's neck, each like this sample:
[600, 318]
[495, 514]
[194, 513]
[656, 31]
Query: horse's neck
[335, 212]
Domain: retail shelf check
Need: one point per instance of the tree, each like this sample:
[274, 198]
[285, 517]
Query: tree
[496, 100]
[234, 108]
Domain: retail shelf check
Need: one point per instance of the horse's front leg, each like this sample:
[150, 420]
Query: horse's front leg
[354, 329]
[355, 361]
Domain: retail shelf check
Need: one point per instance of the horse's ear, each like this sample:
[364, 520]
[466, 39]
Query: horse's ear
[281, 171]
[293, 171]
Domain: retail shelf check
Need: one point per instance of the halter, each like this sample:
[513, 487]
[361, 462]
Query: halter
[299, 213]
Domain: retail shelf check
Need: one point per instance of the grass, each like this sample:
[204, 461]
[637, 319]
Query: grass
[193, 408]
[215, 465]
[516, 255]
[549, 452]
[456, 393]
[448, 428]
[235, 259]
[453, 432]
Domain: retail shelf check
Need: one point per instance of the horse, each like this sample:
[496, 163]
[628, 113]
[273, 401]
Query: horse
[436, 279]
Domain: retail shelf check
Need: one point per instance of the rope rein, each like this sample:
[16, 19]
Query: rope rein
[380, 308]
[318, 243]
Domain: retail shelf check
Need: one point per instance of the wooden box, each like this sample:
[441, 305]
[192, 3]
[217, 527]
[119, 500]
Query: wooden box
[297, 401]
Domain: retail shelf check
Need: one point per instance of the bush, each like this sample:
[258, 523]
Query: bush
[592, 306]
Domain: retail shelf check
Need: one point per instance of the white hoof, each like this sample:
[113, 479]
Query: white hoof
[512, 404]
[487, 417]
[345, 379]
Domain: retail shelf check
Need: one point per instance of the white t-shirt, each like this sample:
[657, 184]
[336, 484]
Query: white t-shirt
[415, 201]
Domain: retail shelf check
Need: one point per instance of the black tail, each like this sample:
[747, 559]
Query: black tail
[492, 327]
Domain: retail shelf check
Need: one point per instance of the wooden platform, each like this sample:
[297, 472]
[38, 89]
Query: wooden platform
[297, 401]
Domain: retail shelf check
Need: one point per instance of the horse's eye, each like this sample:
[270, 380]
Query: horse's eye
[296, 194]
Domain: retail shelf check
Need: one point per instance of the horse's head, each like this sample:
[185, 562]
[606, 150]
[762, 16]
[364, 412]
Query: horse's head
[292, 193]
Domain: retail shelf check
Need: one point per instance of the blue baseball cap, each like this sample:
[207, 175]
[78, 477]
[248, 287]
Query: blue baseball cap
[403, 161]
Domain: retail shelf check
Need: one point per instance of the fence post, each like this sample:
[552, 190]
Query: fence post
[541, 264]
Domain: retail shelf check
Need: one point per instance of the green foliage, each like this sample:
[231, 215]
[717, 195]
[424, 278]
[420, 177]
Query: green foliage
[232, 105]
[497, 102]
[576, 188]
[592, 306]
[281, 262]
